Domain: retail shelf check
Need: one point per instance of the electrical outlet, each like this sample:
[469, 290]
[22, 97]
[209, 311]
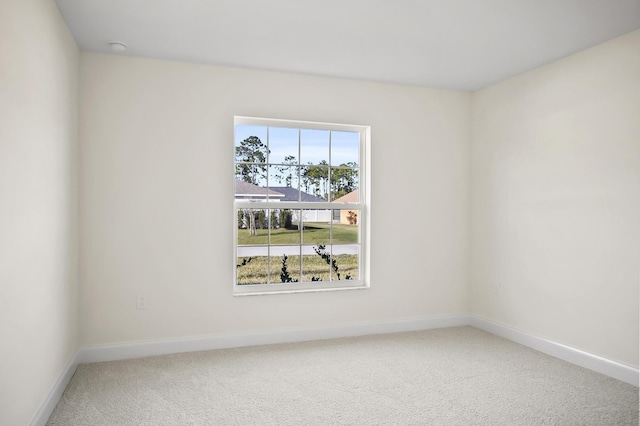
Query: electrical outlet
[141, 302]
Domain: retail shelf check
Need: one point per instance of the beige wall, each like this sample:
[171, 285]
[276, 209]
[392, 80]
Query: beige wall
[157, 187]
[38, 259]
[556, 200]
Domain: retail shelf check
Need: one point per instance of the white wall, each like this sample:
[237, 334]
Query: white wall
[38, 250]
[556, 200]
[157, 187]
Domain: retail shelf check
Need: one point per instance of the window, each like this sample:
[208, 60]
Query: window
[300, 206]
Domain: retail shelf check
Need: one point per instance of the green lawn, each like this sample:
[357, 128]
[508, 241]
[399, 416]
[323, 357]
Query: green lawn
[313, 233]
[256, 271]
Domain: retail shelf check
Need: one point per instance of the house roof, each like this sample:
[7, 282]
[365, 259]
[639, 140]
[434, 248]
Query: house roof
[248, 189]
[351, 197]
[291, 194]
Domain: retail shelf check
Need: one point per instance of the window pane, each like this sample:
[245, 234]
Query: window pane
[283, 145]
[345, 148]
[314, 146]
[251, 154]
[286, 230]
[251, 265]
[252, 174]
[244, 131]
[346, 229]
[342, 260]
[285, 264]
[284, 180]
[253, 226]
[347, 264]
[249, 192]
[315, 182]
[314, 268]
[344, 185]
[317, 226]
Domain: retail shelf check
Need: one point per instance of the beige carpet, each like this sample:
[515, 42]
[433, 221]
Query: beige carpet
[454, 376]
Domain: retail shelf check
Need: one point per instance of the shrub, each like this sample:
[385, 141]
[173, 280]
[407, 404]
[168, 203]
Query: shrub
[352, 217]
[322, 252]
[261, 222]
[286, 218]
[241, 222]
[284, 272]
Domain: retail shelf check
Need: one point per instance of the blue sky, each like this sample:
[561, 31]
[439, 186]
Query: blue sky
[311, 145]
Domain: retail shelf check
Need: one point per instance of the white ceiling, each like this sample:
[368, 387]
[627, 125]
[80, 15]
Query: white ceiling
[448, 44]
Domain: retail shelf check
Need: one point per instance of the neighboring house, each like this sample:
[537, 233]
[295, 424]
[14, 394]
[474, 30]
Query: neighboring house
[291, 194]
[249, 192]
[246, 191]
[309, 215]
[349, 217]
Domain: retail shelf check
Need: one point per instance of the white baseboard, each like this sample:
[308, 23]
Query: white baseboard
[141, 349]
[584, 359]
[223, 341]
[129, 350]
[49, 404]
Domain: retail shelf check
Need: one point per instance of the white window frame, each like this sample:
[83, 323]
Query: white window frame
[363, 216]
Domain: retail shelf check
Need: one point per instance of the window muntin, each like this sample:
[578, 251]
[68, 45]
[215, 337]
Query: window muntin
[299, 206]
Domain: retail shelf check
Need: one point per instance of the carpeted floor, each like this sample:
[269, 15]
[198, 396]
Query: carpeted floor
[453, 376]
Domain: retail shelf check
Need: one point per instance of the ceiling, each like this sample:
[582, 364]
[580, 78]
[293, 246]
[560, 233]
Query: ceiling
[446, 44]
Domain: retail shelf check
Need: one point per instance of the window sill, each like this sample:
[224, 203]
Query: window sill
[261, 289]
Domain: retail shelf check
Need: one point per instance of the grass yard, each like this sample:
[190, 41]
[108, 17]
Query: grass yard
[313, 232]
[257, 270]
